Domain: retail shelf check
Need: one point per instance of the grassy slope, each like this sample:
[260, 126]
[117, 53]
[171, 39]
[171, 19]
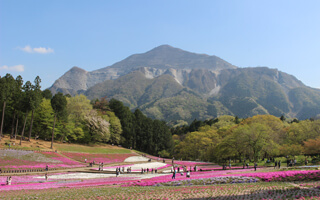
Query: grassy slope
[41, 145]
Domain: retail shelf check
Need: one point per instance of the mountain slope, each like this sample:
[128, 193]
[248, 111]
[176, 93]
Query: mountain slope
[155, 62]
[171, 84]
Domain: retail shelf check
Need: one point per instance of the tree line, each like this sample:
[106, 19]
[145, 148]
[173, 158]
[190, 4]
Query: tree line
[258, 137]
[59, 117]
[142, 133]
[25, 107]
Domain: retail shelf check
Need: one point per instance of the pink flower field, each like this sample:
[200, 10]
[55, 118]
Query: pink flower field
[36, 160]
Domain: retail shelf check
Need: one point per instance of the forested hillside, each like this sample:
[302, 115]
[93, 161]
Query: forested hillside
[29, 113]
[258, 137]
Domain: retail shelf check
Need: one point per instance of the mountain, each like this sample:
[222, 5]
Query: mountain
[153, 63]
[171, 84]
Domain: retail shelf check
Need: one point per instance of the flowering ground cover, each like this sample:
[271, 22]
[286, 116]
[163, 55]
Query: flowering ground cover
[227, 191]
[193, 176]
[105, 158]
[244, 185]
[303, 175]
[11, 159]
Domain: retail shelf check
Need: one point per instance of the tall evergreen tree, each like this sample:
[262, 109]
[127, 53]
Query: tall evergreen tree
[47, 94]
[26, 104]
[59, 104]
[6, 91]
[36, 98]
[16, 104]
[127, 119]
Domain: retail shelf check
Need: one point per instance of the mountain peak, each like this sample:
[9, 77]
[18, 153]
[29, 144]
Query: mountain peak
[77, 69]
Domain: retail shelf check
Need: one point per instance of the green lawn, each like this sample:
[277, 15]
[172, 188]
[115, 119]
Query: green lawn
[90, 149]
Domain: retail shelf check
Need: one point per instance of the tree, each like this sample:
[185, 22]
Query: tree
[16, 105]
[26, 102]
[6, 90]
[291, 149]
[115, 127]
[59, 104]
[36, 98]
[97, 126]
[253, 137]
[78, 107]
[127, 122]
[312, 146]
[102, 104]
[47, 94]
[43, 120]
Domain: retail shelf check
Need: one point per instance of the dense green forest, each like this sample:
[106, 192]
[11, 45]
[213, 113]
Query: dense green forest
[258, 137]
[27, 112]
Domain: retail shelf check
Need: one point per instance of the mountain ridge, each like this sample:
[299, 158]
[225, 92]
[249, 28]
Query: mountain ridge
[182, 81]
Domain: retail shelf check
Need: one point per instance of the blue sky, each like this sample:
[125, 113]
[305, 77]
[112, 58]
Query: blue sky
[47, 38]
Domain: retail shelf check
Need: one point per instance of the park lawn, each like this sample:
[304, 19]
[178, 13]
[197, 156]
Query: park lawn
[102, 157]
[101, 149]
[228, 191]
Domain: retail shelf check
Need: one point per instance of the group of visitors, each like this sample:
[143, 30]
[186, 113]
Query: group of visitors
[9, 180]
[101, 166]
[174, 172]
[147, 170]
[118, 169]
[245, 165]
[277, 164]
[291, 163]
[128, 169]
[91, 163]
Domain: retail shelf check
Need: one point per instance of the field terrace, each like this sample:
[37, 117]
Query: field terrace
[105, 158]
[161, 179]
[11, 159]
[227, 191]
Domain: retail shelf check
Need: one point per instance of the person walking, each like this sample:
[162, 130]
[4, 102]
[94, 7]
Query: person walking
[305, 162]
[255, 166]
[188, 174]
[9, 180]
[174, 174]
[279, 164]
[275, 164]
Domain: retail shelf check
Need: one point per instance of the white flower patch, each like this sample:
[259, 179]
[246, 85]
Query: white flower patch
[136, 167]
[136, 159]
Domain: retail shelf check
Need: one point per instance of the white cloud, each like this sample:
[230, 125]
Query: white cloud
[26, 49]
[16, 68]
[41, 50]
